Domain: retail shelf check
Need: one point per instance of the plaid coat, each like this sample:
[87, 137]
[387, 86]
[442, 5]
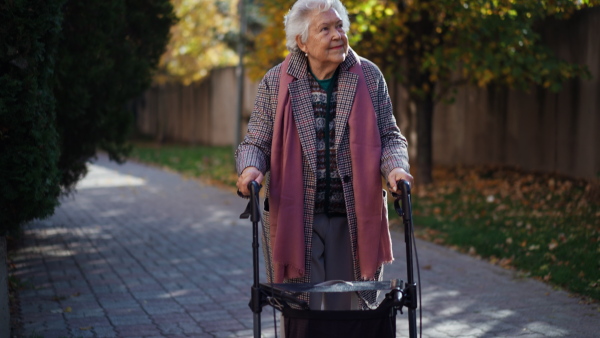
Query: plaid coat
[255, 150]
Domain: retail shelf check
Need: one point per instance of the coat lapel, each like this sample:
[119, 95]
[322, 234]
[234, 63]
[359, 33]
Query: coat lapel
[345, 97]
[304, 117]
[347, 83]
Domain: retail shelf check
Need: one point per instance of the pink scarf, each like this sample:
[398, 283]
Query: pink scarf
[287, 187]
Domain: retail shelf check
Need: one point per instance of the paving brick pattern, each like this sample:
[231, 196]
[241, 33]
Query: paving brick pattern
[142, 252]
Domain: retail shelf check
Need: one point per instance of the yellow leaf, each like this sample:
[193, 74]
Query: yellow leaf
[505, 262]
[68, 309]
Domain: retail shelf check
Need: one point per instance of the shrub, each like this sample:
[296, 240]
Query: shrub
[29, 151]
[67, 70]
[107, 55]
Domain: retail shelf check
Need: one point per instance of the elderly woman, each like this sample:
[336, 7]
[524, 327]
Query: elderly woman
[323, 128]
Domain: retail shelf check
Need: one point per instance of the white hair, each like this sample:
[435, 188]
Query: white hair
[298, 19]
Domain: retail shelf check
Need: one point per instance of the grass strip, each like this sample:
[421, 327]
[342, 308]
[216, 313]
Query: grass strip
[214, 165]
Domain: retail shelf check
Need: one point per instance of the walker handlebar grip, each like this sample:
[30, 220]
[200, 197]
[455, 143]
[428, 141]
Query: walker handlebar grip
[404, 186]
[403, 207]
[254, 188]
[252, 209]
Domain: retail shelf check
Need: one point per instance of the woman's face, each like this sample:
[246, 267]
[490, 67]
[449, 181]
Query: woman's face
[327, 43]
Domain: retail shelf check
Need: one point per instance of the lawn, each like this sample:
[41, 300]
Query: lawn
[211, 164]
[544, 226]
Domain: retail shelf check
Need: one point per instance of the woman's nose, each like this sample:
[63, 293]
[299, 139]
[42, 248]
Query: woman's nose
[337, 35]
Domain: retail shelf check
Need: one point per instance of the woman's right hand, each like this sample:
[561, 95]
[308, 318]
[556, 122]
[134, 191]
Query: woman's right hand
[248, 175]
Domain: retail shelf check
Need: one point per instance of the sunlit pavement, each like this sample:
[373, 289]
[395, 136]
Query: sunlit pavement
[141, 252]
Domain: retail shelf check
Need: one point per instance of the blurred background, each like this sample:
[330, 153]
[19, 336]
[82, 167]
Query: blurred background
[473, 82]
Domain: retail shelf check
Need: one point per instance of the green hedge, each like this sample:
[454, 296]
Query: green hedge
[29, 150]
[67, 72]
[107, 55]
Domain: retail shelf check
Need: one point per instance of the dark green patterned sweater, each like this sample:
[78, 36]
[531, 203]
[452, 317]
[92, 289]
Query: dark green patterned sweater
[330, 196]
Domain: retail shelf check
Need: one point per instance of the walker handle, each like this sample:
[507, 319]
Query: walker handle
[253, 208]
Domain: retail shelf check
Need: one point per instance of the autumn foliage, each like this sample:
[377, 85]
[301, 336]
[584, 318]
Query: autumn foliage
[482, 41]
[200, 40]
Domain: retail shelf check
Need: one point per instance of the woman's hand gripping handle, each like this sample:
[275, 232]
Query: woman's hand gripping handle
[248, 175]
[397, 175]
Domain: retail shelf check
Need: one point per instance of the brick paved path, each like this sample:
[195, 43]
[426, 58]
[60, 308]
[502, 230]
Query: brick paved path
[140, 252]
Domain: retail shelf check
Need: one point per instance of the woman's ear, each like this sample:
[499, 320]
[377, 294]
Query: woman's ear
[300, 44]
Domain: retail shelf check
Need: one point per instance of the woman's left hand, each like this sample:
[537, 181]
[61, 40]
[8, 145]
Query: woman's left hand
[397, 175]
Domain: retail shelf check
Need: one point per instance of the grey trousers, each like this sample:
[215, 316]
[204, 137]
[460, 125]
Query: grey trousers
[331, 259]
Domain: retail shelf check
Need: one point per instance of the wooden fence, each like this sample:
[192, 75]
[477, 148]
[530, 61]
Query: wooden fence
[535, 130]
[538, 130]
[200, 113]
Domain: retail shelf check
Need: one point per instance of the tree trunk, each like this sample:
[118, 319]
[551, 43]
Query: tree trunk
[422, 92]
[424, 137]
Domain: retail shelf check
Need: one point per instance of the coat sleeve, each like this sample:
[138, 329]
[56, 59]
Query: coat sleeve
[255, 149]
[394, 147]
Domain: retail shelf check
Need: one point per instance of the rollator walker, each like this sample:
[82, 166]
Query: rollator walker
[302, 322]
